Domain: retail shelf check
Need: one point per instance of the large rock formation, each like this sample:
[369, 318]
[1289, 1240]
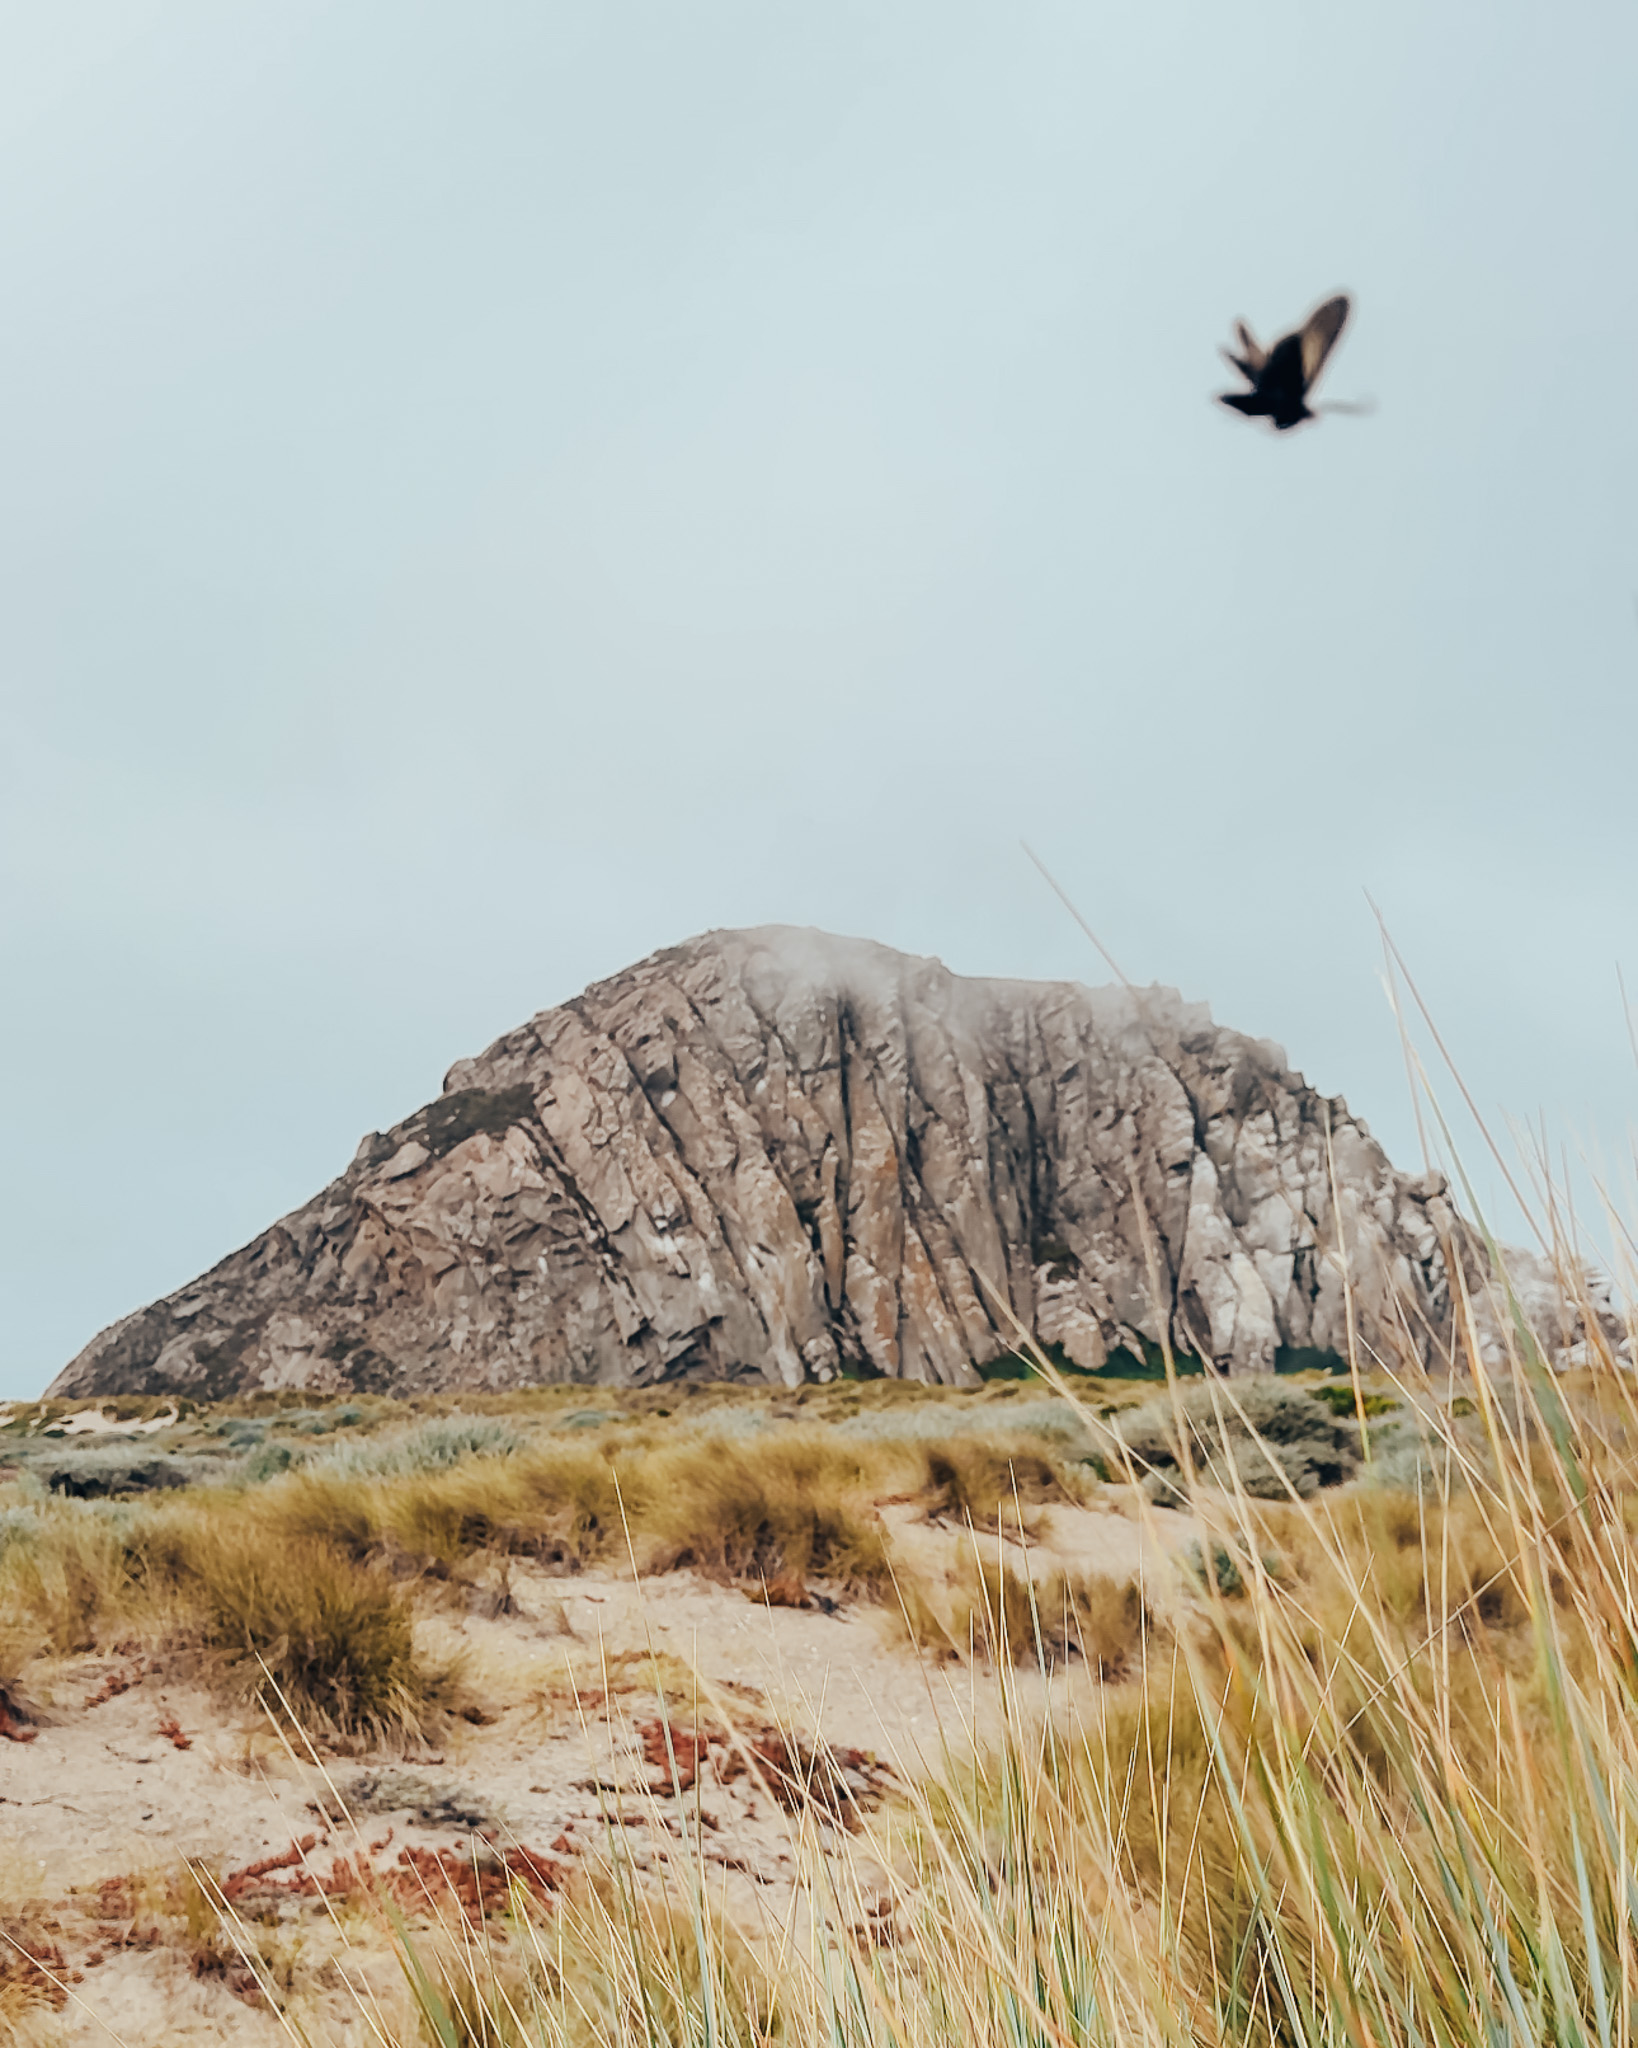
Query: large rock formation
[780, 1154]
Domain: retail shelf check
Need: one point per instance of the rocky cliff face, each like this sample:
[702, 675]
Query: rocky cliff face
[779, 1154]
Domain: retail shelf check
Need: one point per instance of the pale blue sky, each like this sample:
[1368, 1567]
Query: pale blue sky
[486, 491]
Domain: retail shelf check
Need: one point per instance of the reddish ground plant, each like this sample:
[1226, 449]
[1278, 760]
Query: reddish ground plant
[843, 1783]
[676, 1753]
[171, 1729]
[238, 1882]
[478, 1880]
[117, 1682]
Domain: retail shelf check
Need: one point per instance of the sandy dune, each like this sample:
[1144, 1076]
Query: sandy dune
[135, 1772]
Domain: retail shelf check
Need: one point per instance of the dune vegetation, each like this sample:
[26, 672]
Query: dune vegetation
[1381, 1787]
[306, 1572]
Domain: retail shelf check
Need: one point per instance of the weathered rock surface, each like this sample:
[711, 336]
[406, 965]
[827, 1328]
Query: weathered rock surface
[777, 1153]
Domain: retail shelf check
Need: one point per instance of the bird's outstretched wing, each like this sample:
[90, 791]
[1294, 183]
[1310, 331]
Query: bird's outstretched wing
[1252, 355]
[1319, 336]
[1255, 354]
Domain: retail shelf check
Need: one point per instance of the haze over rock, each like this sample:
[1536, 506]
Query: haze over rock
[783, 1154]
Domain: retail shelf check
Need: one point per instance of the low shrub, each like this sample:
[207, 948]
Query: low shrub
[1223, 1572]
[1341, 1399]
[106, 1471]
[434, 1803]
[431, 1446]
[1047, 1417]
[1272, 1439]
[268, 1460]
[241, 1432]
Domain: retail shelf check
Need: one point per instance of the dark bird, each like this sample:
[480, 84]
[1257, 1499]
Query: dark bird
[1282, 377]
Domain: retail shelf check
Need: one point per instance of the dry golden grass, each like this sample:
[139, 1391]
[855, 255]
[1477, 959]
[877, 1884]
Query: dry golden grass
[310, 1579]
[31, 1961]
[992, 1612]
[332, 1630]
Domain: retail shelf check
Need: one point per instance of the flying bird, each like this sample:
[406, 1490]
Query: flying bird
[1282, 377]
